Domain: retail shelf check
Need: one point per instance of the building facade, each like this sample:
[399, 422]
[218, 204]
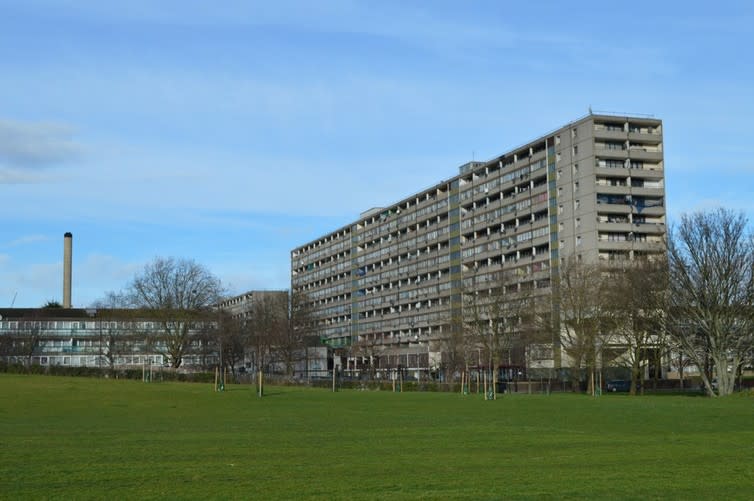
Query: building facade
[242, 306]
[128, 338]
[389, 285]
[103, 338]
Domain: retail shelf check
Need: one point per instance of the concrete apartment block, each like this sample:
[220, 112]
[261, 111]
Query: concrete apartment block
[394, 279]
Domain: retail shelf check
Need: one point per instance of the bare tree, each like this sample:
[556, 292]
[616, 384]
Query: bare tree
[501, 315]
[368, 351]
[712, 293]
[456, 346]
[636, 296]
[21, 344]
[584, 323]
[29, 342]
[177, 292]
[116, 339]
[292, 341]
[6, 346]
[230, 339]
[113, 322]
[264, 329]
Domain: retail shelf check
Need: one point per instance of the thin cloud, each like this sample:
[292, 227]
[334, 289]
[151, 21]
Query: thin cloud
[92, 277]
[98, 266]
[34, 145]
[27, 239]
[20, 176]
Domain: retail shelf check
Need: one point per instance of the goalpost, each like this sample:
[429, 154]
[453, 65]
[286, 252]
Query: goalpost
[220, 378]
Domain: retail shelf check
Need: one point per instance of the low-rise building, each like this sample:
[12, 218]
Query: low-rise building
[76, 337]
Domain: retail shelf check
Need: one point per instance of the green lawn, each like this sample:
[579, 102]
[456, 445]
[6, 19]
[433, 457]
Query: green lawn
[66, 438]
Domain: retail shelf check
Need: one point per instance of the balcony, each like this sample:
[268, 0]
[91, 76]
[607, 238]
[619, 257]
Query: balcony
[540, 240]
[645, 137]
[613, 208]
[639, 153]
[648, 172]
[602, 152]
[650, 211]
[650, 228]
[611, 171]
[615, 227]
[619, 245]
[649, 246]
[604, 133]
[612, 190]
[649, 192]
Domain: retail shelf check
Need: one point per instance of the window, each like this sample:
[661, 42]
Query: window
[575, 168]
[578, 240]
[575, 150]
[539, 232]
[578, 222]
[611, 164]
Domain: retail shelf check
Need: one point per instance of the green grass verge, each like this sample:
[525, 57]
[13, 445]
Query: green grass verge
[77, 438]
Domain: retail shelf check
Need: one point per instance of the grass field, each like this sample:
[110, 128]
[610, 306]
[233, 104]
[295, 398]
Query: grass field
[67, 438]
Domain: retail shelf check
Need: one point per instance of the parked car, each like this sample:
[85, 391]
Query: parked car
[617, 385]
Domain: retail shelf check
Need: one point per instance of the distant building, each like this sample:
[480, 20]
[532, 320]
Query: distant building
[311, 360]
[242, 305]
[123, 338]
[77, 337]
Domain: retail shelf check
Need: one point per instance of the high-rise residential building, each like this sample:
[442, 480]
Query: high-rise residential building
[394, 280]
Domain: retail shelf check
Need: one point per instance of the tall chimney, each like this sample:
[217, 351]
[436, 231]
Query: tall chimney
[67, 254]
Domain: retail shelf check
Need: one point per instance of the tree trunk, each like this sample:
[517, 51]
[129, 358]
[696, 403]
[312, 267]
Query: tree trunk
[635, 371]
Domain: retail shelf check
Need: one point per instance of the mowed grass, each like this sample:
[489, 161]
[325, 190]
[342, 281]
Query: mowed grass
[77, 438]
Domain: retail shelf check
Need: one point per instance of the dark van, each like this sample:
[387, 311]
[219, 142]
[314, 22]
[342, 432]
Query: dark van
[617, 385]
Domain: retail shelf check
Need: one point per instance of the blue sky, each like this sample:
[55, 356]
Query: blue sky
[232, 133]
